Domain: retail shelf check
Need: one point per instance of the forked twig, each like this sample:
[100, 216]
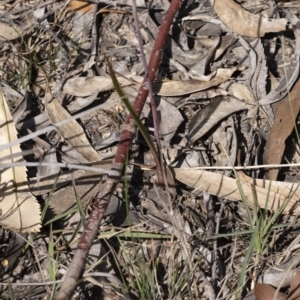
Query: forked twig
[102, 199]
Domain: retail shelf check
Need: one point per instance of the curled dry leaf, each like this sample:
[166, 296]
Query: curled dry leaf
[270, 195]
[280, 275]
[170, 117]
[19, 210]
[291, 71]
[72, 132]
[238, 90]
[243, 22]
[206, 118]
[285, 83]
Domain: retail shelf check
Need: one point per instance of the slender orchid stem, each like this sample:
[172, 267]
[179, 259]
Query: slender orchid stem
[102, 199]
[153, 103]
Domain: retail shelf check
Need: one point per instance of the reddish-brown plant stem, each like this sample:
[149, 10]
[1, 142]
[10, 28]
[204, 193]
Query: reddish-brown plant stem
[159, 165]
[102, 199]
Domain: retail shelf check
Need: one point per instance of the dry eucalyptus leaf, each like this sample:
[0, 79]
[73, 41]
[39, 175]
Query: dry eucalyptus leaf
[264, 291]
[44, 185]
[238, 90]
[86, 86]
[243, 22]
[280, 187]
[200, 66]
[170, 119]
[279, 276]
[259, 78]
[50, 156]
[179, 88]
[291, 71]
[285, 83]
[206, 118]
[286, 112]
[8, 32]
[19, 211]
[82, 26]
[72, 132]
[226, 187]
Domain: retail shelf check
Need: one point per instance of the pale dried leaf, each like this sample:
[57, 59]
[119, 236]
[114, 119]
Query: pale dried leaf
[285, 83]
[280, 276]
[226, 187]
[243, 22]
[82, 25]
[86, 86]
[19, 210]
[259, 78]
[206, 118]
[170, 119]
[238, 90]
[291, 72]
[285, 189]
[49, 157]
[72, 132]
[8, 32]
[179, 88]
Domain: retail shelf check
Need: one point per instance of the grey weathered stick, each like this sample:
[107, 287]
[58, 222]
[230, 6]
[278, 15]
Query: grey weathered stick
[102, 199]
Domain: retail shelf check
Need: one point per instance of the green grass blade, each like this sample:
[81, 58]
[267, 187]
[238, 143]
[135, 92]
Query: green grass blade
[244, 268]
[51, 262]
[79, 205]
[129, 107]
[61, 216]
[49, 198]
